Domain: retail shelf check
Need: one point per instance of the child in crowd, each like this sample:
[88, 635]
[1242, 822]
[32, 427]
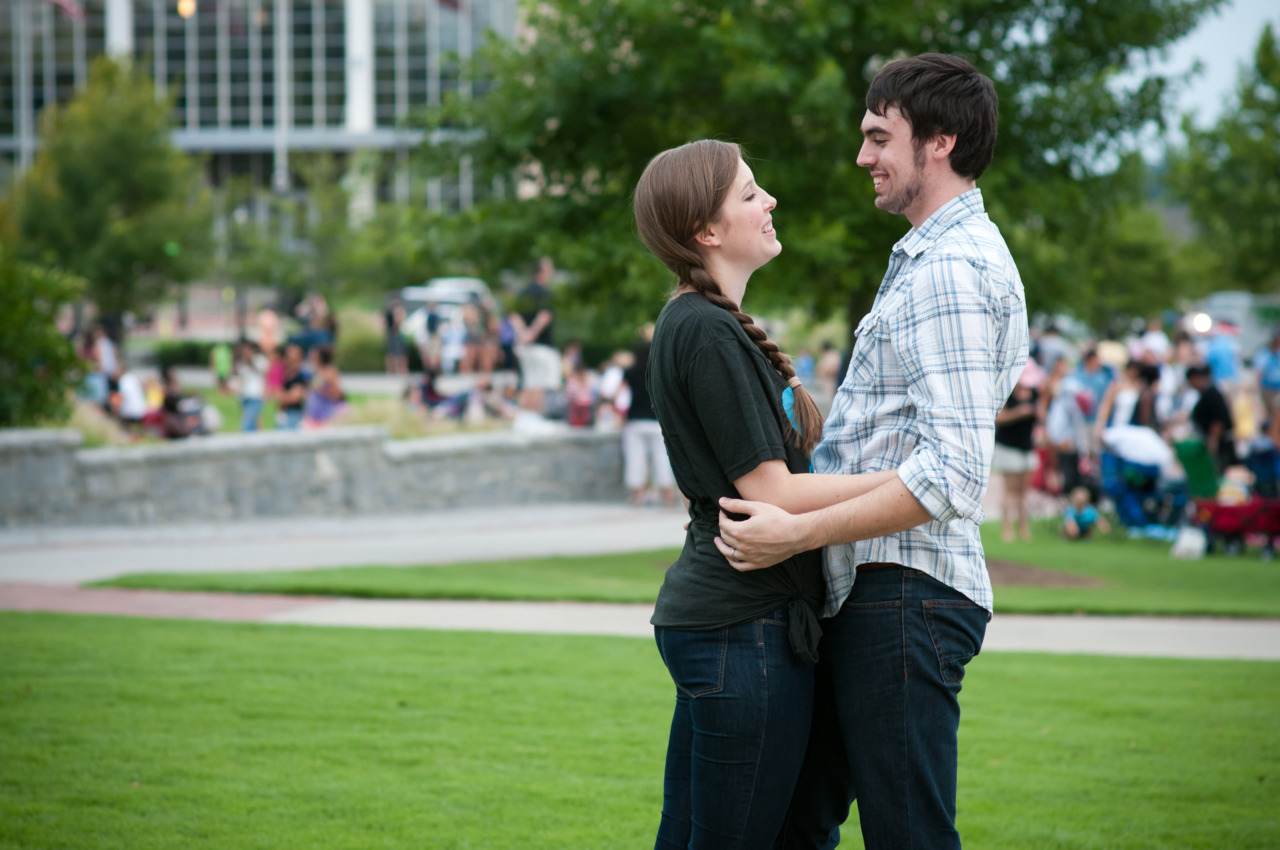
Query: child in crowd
[1080, 516]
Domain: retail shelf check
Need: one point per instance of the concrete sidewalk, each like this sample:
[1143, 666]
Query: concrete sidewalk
[72, 555]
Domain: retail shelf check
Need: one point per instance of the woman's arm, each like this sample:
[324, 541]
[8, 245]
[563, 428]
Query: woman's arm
[772, 482]
[330, 388]
[1104, 407]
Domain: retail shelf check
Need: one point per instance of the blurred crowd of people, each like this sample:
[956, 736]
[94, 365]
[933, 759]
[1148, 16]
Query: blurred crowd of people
[1149, 400]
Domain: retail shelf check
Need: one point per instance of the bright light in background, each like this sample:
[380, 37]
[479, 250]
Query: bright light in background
[186, 8]
[1200, 323]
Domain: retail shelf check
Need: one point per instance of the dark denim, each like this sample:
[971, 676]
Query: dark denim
[888, 683]
[743, 707]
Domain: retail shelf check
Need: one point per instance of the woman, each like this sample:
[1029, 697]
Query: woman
[723, 394]
[251, 368]
[1013, 457]
[644, 457]
[325, 398]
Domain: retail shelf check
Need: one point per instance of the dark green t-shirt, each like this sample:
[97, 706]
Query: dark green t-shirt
[720, 405]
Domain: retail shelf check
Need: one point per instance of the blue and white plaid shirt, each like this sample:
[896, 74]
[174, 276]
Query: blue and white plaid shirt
[935, 360]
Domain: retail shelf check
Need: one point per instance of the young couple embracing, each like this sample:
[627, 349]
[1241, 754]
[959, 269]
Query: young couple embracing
[817, 624]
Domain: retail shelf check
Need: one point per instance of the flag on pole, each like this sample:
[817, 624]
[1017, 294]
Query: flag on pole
[71, 8]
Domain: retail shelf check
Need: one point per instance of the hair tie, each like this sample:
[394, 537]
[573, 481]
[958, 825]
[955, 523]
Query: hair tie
[794, 383]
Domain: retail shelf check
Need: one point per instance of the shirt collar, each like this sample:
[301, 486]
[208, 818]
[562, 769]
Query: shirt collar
[958, 208]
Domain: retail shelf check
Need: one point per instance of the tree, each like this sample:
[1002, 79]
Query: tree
[1229, 175]
[109, 198]
[38, 365]
[594, 88]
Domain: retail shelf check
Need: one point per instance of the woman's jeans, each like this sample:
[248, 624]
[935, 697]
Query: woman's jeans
[743, 709]
[250, 410]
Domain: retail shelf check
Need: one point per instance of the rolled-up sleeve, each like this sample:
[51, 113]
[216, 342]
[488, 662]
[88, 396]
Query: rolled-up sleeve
[944, 335]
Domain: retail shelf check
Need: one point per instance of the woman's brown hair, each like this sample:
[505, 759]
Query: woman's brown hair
[682, 191]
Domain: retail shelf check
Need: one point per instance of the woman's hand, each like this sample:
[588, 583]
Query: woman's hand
[768, 536]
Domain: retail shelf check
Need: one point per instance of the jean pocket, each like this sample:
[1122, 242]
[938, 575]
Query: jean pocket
[695, 660]
[956, 628]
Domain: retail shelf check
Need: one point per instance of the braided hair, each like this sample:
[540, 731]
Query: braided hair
[681, 191]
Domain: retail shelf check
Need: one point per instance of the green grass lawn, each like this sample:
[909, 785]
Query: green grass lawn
[631, 577]
[124, 733]
[1137, 577]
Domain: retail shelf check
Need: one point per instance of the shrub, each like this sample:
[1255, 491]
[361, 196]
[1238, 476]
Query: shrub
[361, 350]
[183, 352]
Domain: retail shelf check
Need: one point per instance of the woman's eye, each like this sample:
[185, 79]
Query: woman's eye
[751, 197]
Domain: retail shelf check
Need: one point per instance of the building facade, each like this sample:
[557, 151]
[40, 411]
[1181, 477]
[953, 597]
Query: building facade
[256, 81]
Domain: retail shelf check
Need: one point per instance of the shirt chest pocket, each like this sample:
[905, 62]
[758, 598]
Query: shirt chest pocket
[872, 349]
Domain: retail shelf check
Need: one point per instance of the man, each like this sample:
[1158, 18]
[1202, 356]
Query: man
[935, 359]
[1096, 378]
[293, 395]
[1266, 363]
[1053, 348]
[540, 369]
[1212, 418]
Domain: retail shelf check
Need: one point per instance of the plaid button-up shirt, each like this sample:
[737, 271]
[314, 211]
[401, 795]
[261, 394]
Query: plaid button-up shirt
[935, 360]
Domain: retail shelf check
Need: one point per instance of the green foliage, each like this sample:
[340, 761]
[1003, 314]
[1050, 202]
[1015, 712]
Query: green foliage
[159, 734]
[38, 365]
[109, 198]
[576, 111]
[295, 242]
[1229, 175]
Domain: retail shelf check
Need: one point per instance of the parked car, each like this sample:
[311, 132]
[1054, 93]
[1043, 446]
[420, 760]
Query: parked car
[449, 294]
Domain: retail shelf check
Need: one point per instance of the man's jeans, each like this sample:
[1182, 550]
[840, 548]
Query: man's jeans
[743, 707]
[892, 662]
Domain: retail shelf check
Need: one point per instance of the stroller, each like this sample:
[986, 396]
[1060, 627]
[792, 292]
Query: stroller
[1146, 504]
[1229, 523]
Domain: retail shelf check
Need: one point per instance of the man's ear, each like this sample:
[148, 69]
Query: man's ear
[941, 146]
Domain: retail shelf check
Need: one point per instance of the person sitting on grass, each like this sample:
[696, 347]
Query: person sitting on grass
[1080, 516]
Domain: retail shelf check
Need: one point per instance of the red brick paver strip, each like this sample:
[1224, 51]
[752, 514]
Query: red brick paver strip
[68, 599]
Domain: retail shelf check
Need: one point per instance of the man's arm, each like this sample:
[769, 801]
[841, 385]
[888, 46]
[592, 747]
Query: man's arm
[540, 321]
[770, 535]
[945, 334]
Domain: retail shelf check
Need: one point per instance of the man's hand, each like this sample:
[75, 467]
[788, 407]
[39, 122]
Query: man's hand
[768, 536]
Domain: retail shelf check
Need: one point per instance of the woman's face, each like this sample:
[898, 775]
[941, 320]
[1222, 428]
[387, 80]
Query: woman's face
[745, 224]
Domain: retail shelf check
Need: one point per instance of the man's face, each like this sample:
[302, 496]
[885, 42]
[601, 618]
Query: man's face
[293, 357]
[896, 165]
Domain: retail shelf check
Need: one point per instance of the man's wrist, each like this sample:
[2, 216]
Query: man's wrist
[811, 530]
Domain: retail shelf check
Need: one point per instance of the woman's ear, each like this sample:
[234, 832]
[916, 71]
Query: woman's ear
[708, 237]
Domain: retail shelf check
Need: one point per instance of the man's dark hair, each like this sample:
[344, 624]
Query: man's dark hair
[942, 95]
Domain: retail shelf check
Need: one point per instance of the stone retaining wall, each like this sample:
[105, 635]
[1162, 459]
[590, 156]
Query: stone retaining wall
[47, 479]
